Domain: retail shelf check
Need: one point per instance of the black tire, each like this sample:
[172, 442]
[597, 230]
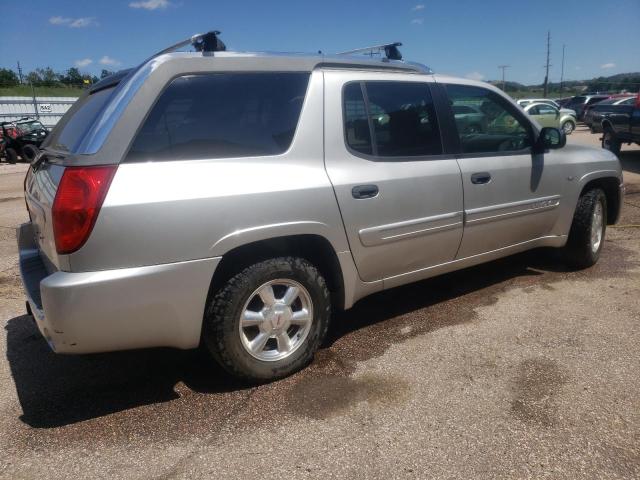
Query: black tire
[221, 329]
[11, 155]
[578, 251]
[610, 142]
[29, 152]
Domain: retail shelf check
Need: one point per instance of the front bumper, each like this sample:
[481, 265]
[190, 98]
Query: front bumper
[87, 312]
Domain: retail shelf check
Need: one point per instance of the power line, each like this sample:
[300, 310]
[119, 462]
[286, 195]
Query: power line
[503, 68]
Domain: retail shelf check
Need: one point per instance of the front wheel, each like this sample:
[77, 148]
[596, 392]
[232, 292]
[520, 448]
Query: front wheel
[586, 236]
[610, 142]
[268, 320]
[11, 155]
[568, 127]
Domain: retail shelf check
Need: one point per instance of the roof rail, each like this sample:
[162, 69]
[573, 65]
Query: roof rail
[202, 42]
[390, 50]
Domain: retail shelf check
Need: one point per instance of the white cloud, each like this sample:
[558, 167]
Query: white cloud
[107, 60]
[73, 22]
[474, 76]
[420, 6]
[85, 62]
[60, 20]
[151, 4]
[608, 65]
[417, 21]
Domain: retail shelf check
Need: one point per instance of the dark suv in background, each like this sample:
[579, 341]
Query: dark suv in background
[580, 102]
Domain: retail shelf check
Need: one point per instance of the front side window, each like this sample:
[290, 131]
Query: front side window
[222, 116]
[399, 119]
[500, 128]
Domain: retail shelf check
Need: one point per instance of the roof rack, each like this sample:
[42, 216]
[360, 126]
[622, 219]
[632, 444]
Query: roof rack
[202, 42]
[390, 50]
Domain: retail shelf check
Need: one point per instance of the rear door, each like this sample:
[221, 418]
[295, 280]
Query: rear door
[510, 195]
[399, 195]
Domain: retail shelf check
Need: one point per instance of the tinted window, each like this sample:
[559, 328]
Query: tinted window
[502, 128]
[77, 121]
[403, 118]
[546, 110]
[593, 100]
[222, 115]
[577, 101]
[460, 110]
[628, 101]
[357, 131]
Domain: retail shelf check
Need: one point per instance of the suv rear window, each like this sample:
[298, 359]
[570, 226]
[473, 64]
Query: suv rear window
[222, 115]
[75, 123]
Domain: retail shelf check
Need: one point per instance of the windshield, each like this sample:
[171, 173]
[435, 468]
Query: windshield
[27, 127]
[77, 121]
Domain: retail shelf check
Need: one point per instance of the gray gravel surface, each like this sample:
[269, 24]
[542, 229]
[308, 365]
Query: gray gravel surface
[514, 369]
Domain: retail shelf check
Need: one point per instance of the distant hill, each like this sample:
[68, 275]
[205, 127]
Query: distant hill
[629, 82]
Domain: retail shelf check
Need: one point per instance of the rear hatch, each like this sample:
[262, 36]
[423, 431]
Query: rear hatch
[58, 154]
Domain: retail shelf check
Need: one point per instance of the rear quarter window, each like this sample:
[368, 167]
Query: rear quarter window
[222, 116]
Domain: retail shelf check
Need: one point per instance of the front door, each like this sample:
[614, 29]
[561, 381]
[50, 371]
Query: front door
[400, 197]
[510, 195]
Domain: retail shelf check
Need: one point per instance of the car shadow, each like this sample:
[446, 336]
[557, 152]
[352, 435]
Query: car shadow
[57, 390]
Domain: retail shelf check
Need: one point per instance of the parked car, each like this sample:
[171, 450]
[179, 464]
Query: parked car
[523, 102]
[549, 116]
[238, 200]
[621, 126]
[469, 119]
[20, 137]
[593, 116]
[581, 103]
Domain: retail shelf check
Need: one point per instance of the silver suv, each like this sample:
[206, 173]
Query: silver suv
[234, 200]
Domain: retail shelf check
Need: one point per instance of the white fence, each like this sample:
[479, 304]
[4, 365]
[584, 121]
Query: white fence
[48, 109]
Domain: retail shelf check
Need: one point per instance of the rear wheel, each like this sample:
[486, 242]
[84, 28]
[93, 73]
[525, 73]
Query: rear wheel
[11, 155]
[586, 237]
[268, 320]
[29, 152]
[610, 142]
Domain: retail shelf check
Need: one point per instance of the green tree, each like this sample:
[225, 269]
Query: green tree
[48, 77]
[72, 77]
[8, 78]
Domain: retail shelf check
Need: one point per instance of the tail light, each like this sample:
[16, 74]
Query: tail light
[78, 200]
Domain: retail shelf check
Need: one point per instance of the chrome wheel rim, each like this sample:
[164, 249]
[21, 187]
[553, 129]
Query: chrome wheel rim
[568, 127]
[276, 320]
[597, 221]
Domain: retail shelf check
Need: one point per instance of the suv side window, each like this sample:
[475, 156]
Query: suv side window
[399, 119]
[221, 116]
[503, 128]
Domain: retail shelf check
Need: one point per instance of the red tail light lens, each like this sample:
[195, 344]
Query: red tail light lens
[78, 200]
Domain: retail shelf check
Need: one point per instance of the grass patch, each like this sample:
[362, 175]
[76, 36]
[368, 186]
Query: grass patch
[25, 91]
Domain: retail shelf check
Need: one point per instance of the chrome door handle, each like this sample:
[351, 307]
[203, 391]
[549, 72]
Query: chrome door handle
[364, 191]
[481, 178]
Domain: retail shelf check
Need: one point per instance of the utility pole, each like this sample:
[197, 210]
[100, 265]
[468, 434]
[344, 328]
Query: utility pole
[546, 75]
[562, 71]
[503, 68]
[19, 72]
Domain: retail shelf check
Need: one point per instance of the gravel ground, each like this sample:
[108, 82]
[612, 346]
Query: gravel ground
[514, 369]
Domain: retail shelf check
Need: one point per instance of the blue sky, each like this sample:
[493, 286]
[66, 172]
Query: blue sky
[461, 37]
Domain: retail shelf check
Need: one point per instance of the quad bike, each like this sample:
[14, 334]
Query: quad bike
[22, 138]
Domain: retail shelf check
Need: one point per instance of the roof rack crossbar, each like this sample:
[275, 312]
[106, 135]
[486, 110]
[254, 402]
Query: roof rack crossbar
[390, 50]
[202, 42]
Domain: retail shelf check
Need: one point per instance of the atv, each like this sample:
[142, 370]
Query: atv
[22, 138]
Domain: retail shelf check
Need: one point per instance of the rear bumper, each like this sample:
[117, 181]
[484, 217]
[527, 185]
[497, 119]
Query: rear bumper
[87, 312]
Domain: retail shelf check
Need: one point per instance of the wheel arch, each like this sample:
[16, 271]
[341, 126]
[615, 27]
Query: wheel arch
[315, 248]
[611, 187]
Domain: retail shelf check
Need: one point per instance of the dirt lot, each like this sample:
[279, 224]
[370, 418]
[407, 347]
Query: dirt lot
[515, 369]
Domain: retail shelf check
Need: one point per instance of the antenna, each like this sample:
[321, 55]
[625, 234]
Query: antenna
[390, 50]
[503, 68]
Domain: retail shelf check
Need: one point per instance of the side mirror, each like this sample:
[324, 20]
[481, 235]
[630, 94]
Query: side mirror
[550, 138]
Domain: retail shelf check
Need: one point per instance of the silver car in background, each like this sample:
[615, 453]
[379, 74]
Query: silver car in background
[235, 200]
